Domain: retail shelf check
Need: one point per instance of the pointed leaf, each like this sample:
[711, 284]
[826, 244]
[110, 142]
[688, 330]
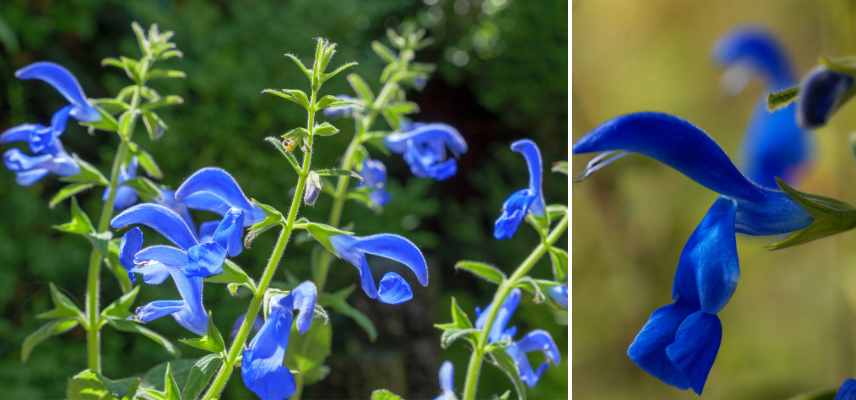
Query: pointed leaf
[482, 270]
[829, 217]
[80, 223]
[200, 376]
[361, 88]
[89, 385]
[503, 361]
[133, 327]
[52, 328]
[68, 191]
[322, 233]
[121, 308]
[338, 302]
[211, 342]
[325, 129]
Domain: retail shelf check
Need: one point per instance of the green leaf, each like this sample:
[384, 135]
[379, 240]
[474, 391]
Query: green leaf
[460, 319]
[211, 342]
[80, 223]
[273, 217]
[126, 124]
[384, 394]
[106, 123]
[121, 307]
[88, 174]
[309, 352]
[52, 328]
[180, 368]
[155, 126]
[200, 376]
[165, 101]
[325, 129]
[64, 307]
[68, 191]
[482, 270]
[559, 263]
[144, 187]
[278, 144]
[295, 96]
[89, 385]
[233, 274]
[171, 389]
[333, 101]
[338, 172]
[829, 217]
[133, 327]
[781, 99]
[339, 302]
[403, 108]
[166, 74]
[322, 233]
[306, 71]
[361, 88]
[385, 53]
[111, 105]
[503, 361]
[148, 163]
[560, 167]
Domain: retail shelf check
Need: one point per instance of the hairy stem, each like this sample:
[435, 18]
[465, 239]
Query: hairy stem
[341, 195]
[225, 372]
[474, 366]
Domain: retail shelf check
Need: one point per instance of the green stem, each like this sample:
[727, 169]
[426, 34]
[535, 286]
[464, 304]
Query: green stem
[225, 372]
[341, 195]
[474, 367]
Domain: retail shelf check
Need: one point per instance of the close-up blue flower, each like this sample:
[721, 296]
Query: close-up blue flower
[66, 84]
[425, 148]
[522, 202]
[535, 341]
[262, 367]
[215, 190]
[374, 178]
[774, 146]
[392, 288]
[126, 196]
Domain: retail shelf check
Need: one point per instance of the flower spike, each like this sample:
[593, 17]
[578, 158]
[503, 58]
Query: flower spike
[65, 83]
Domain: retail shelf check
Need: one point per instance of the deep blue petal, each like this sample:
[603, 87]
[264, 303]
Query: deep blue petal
[396, 248]
[206, 230]
[27, 178]
[559, 294]
[65, 83]
[344, 245]
[154, 273]
[648, 349]
[166, 255]
[532, 155]
[167, 199]
[205, 259]
[193, 316]
[847, 391]
[537, 340]
[775, 146]
[434, 132]
[514, 211]
[257, 324]
[158, 309]
[132, 242]
[20, 133]
[499, 329]
[393, 289]
[305, 296]
[822, 93]
[757, 49]
[262, 366]
[161, 219]
[219, 183]
[695, 346]
[230, 231]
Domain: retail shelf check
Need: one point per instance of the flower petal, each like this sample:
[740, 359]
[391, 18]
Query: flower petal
[27, 178]
[205, 259]
[822, 93]
[447, 377]
[847, 391]
[446, 134]
[158, 309]
[514, 211]
[20, 133]
[262, 366]
[396, 248]
[193, 316]
[65, 83]
[223, 186]
[132, 242]
[393, 289]
[305, 295]
[500, 323]
[775, 146]
[757, 49]
[648, 349]
[532, 155]
[166, 255]
[559, 294]
[230, 231]
[537, 340]
[695, 346]
[161, 219]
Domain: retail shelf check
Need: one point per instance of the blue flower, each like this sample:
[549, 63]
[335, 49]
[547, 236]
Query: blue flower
[847, 391]
[680, 341]
[534, 341]
[559, 294]
[447, 382]
[392, 289]
[775, 146]
[126, 196]
[374, 178]
[262, 366]
[48, 154]
[822, 93]
[347, 110]
[188, 264]
[213, 189]
[523, 201]
[424, 148]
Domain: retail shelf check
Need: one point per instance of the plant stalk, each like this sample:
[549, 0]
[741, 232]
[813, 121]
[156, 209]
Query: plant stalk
[476, 359]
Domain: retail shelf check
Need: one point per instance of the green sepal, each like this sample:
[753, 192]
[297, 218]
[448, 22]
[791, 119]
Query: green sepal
[559, 263]
[273, 217]
[322, 233]
[829, 217]
[106, 123]
[211, 342]
[560, 167]
[482, 270]
[154, 125]
[148, 163]
[781, 98]
[533, 287]
[52, 328]
[451, 335]
[325, 129]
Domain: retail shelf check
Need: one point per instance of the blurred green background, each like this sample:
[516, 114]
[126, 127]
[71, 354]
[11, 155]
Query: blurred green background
[789, 327]
[501, 76]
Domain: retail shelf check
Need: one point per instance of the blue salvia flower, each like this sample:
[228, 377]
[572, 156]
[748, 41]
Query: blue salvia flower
[680, 341]
[126, 196]
[424, 147]
[48, 155]
[775, 146]
[447, 382]
[822, 93]
[374, 178]
[534, 341]
[215, 190]
[343, 111]
[523, 201]
[559, 294]
[392, 288]
[262, 366]
[847, 391]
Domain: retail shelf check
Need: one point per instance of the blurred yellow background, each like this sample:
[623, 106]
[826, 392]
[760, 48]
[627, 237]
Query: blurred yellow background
[789, 328]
